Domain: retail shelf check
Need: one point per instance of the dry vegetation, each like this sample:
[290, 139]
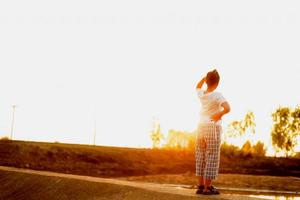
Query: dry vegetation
[119, 162]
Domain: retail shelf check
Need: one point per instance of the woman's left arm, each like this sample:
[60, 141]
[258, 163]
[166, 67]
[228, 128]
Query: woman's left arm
[226, 109]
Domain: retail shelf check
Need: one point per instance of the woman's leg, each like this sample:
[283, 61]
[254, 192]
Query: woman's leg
[213, 142]
[200, 181]
[200, 161]
[200, 158]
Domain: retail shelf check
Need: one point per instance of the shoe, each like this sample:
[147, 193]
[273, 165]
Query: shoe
[200, 189]
[211, 191]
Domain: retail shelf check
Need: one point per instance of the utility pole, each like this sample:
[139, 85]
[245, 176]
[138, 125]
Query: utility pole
[95, 131]
[95, 125]
[13, 121]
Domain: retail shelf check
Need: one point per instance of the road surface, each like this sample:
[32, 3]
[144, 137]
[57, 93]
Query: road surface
[31, 184]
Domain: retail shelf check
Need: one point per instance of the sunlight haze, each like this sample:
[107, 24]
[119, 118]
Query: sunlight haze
[123, 63]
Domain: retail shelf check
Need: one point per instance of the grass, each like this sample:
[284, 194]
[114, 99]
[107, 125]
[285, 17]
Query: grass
[121, 162]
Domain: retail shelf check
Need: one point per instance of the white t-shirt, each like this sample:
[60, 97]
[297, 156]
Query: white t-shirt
[211, 104]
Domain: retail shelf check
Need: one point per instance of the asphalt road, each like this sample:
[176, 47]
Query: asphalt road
[30, 184]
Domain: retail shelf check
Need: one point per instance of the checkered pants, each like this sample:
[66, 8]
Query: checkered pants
[208, 143]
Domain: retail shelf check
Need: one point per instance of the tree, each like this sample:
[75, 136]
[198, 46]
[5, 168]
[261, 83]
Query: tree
[180, 140]
[192, 141]
[176, 139]
[297, 155]
[5, 138]
[156, 135]
[247, 148]
[173, 139]
[259, 149]
[230, 150]
[239, 128]
[286, 129]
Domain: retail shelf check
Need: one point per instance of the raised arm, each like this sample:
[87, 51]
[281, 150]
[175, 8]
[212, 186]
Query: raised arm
[201, 83]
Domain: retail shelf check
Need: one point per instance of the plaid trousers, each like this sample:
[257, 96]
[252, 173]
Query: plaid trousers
[208, 143]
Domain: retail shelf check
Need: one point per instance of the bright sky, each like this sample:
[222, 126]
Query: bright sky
[65, 63]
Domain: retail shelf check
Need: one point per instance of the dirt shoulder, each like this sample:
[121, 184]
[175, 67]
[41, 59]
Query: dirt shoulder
[259, 182]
